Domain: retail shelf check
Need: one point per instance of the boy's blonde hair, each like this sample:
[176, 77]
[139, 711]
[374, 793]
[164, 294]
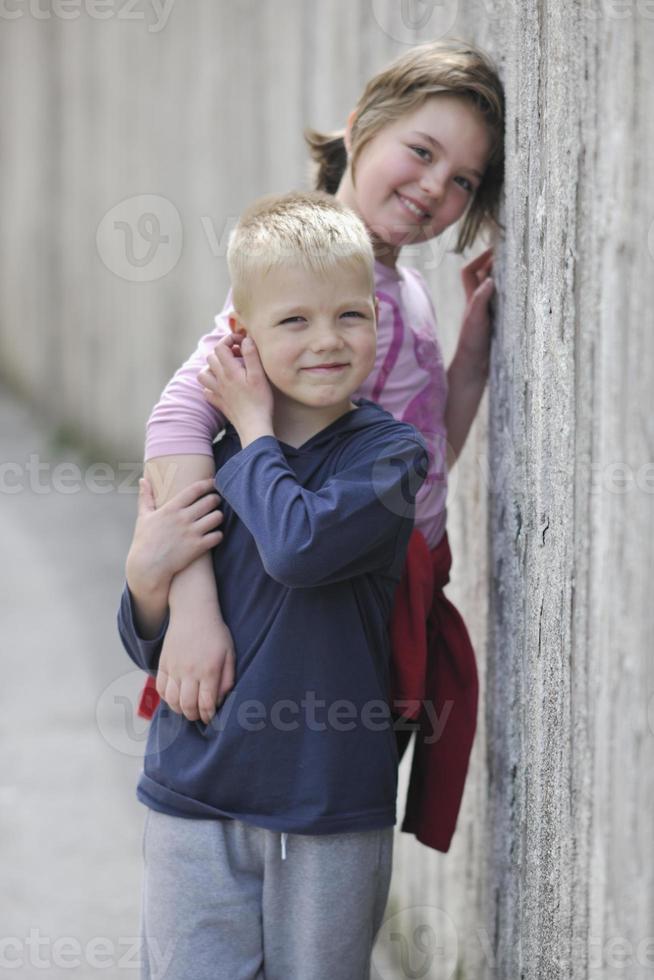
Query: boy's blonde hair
[448, 66]
[306, 228]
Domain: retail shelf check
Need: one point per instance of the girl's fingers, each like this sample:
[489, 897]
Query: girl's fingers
[209, 540]
[167, 689]
[207, 380]
[207, 697]
[210, 522]
[188, 698]
[204, 505]
[474, 274]
[196, 492]
[226, 678]
[482, 259]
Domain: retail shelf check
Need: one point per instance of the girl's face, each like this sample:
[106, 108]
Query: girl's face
[418, 175]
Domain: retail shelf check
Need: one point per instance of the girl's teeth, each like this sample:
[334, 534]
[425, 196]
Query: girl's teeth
[412, 207]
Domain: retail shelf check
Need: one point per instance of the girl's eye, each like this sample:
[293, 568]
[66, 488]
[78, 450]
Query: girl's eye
[466, 184]
[353, 313]
[292, 319]
[422, 152]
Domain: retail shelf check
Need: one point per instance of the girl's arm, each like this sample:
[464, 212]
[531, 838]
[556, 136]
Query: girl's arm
[468, 371]
[198, 646]
[164, 542]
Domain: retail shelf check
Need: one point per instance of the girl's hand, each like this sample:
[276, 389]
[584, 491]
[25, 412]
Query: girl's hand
[235, 383]
[197, 665]
[168, 539]
[476, 329]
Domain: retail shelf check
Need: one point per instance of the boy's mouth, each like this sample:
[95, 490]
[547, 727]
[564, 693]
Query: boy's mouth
[413, 207]
[325, 367]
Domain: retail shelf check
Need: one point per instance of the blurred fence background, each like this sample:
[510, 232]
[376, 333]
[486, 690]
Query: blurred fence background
[131, 136]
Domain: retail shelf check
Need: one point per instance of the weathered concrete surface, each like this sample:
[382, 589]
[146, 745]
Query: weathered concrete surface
[570, 740]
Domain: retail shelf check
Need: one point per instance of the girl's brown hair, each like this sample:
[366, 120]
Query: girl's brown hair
[446, 66]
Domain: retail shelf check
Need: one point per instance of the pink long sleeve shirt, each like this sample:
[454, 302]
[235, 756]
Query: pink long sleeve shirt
[408, 380]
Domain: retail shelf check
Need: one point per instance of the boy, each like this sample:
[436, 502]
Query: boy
[318, 496]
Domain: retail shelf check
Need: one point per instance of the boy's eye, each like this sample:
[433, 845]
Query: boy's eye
[353, 313]
[292, 319]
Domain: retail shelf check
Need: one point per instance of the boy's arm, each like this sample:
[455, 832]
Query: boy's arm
[468, 372]
[143, 650]
[309, 538]
[351, 526]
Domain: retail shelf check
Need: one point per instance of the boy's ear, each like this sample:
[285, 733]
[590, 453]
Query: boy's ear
[236, 325]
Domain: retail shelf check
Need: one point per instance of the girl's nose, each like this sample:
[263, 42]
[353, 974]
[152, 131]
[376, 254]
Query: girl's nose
[433, 183]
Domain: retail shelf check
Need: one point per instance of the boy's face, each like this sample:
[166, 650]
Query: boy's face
[316, 334]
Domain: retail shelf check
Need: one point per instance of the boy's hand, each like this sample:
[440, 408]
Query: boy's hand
[168, 539]
[235, 383]
[197, 663]
[474, 340]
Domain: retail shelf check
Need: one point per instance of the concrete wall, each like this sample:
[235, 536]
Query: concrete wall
[200, 109]
[570, 681]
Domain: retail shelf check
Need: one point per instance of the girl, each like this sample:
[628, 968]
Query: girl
[422, 149]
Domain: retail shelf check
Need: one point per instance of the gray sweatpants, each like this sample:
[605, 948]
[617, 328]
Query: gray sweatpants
[223, 900]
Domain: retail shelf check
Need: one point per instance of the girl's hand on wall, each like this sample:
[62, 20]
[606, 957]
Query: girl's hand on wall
[476, 329]
[169, 538]
[237, 386]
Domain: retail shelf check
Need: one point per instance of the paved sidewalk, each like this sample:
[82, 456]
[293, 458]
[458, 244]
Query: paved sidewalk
[70, 824]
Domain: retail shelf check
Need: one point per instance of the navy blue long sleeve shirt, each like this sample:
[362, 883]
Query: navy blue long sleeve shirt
[314, 544]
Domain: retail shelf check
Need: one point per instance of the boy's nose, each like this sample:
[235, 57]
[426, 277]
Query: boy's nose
[327, 339]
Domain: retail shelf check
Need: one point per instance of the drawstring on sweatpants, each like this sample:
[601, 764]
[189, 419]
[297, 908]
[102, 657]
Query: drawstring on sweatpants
[284, 836]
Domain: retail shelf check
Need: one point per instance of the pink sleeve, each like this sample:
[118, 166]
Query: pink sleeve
[183, 421]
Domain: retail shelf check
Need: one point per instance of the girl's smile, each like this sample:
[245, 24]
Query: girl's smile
[418, 174]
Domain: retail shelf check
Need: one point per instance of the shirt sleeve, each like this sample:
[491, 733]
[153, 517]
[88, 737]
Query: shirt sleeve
[144, 653]
[354, 524]
[183, 421]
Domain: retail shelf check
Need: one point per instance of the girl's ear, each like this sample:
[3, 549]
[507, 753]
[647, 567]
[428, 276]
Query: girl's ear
[348, 131]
